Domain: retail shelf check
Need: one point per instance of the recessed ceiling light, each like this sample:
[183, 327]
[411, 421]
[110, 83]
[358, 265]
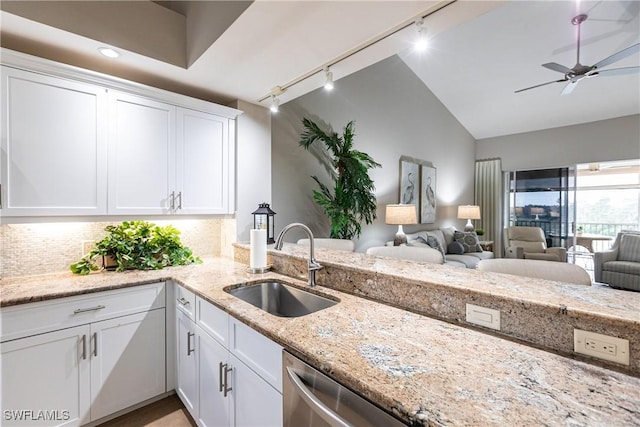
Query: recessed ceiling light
[108, 52]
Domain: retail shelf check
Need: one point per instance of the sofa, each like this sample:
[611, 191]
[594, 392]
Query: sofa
[427, 255]
[467, 253]
[540, 269]
[530, 243]
[619, 267]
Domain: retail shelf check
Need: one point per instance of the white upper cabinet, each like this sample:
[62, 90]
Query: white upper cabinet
[202, 163]
[53, 146]
[76, 143]
[141, 155]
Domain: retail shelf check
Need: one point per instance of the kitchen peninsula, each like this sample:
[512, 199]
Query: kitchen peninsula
[422, 370]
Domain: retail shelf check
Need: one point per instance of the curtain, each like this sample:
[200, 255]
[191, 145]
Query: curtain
[489, 196]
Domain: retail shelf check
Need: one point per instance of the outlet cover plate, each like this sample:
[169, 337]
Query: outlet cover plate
[482, 316]
[601, 346]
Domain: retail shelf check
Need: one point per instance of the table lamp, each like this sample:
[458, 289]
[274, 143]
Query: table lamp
[400, 215]
[469, 212]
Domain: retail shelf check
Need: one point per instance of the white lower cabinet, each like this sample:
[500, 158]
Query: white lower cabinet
[256, 402]
[215, 407]
[127, 361]
[186, 362]
[50, 373]
[233, 389]
[87, 368]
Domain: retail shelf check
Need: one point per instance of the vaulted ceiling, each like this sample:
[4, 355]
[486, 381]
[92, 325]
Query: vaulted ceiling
[481, 52]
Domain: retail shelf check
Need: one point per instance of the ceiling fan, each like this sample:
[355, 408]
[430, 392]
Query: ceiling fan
[579, 71]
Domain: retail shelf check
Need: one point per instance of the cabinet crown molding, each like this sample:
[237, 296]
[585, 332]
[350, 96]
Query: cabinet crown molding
[23, 61]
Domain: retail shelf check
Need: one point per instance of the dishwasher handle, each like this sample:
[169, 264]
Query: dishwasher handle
[316, 404]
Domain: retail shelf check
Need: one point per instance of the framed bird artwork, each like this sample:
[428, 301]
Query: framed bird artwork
[410, 184]
[428, 194]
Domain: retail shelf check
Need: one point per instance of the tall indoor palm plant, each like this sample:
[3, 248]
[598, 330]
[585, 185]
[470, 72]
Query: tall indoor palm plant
[352, 199]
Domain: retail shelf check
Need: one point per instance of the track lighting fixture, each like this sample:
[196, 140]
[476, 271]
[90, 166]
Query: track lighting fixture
[421, 44]
[328, 84]
[421, 41]
[275, 104]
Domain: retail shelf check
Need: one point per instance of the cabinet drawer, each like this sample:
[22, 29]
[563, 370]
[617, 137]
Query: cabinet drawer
[40, 317]
[213, 320]
[258, 352]
[186, 302]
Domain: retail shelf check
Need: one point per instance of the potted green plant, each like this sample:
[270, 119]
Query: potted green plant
[351, 201]
[480, 231]
[138, 245]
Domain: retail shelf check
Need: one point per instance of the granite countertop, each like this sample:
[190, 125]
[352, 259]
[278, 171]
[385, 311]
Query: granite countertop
[601, 301]
[425, 371]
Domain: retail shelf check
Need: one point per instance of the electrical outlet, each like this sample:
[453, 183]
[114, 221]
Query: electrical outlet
[487, 317]
[87, 245]
[601, 346]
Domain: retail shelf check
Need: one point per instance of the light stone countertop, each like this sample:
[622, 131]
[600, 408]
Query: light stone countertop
[426, 371]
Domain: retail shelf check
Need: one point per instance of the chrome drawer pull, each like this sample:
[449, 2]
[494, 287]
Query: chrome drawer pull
[95, 344]
[84, 310]
[183, 301]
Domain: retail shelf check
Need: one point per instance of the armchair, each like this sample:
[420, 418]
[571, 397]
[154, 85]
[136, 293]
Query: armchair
[530, 243]
[619, 267]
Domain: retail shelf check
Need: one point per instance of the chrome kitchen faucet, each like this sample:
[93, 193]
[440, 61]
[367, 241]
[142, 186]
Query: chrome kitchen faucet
[313, 264]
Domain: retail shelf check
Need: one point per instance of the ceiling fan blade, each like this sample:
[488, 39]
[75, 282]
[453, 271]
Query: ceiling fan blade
[616, 71]
[542, 84]
[557, 67]
[570, 87]
[618, 56]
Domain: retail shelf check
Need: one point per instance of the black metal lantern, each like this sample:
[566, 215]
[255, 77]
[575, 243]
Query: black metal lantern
[263, 219]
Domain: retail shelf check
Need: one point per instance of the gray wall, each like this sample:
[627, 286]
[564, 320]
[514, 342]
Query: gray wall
[613, 139]
[395, 115]
[253, 164]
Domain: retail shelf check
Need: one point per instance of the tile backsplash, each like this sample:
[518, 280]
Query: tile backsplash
[41, 248]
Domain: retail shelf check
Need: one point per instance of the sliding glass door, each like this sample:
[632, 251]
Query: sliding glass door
[544, 198]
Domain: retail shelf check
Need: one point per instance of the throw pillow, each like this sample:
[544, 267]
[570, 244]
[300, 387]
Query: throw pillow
[469, 240]
[433, 243]
[455, 248]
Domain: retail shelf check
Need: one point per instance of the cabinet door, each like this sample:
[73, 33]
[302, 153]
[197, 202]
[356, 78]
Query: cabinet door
[127, 361]
[141, 155]
[47, 376]
[203, 163]
[186, 363]
[54, 152]
[214, 406]
[255, 402]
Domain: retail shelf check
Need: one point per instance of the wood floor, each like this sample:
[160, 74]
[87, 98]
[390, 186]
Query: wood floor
[168, 412]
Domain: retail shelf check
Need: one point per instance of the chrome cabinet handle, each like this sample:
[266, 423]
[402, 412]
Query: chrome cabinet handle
[316, 404]
[220, 373]
[172, 201]
[226, 379]
[189, 349]
[95, 344]
[84, 347]
[183, 301]
[179, 197]
[84, 310]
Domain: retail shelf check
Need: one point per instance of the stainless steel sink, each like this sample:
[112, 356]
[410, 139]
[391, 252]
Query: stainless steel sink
[281, 300]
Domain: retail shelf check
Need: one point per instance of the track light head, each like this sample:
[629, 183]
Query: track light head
[421, 42]
[328, 84]
[275, 104]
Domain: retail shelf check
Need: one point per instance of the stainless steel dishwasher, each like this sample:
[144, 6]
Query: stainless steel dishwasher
[312, 399]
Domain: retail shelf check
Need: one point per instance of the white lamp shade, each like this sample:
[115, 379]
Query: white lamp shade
[401, 214]
[468, 212]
